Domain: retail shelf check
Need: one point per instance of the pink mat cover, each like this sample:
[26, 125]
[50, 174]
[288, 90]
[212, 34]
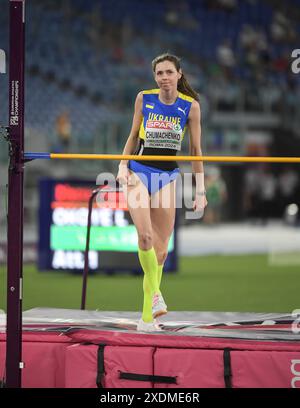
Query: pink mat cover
[56, 360]
[272, 369]
[81, 366]
[44, 359]
[192, 368]
[198, 361]
[177, 341]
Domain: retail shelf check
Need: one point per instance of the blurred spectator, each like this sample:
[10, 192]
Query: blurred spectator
[172, 17]
[179, 13]
[292, 97]
[216, 193]
[225, 55]
[226, 5]
[251, 189]
[281, 64]
[247, 37]
[63, 132]
[268, 207]
[224, 93]
[270, 96]
[282, 29]
[261, 193]
[287, 183]
[279, 27]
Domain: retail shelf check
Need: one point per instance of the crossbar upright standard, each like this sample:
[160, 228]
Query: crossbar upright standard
[15, 194]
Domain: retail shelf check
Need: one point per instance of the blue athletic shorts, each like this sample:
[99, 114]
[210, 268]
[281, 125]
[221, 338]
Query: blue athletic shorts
[153, 178]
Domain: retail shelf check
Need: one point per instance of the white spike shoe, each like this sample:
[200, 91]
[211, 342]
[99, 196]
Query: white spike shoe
[148, 327]
[159, 307]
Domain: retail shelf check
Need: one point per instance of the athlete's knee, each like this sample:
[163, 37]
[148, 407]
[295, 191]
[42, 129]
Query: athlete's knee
[161, 257]
[145, 239]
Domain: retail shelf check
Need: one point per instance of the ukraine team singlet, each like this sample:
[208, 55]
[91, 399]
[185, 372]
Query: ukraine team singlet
[162, 128]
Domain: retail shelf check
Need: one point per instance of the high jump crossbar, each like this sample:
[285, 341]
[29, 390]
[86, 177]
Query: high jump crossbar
[79, 156]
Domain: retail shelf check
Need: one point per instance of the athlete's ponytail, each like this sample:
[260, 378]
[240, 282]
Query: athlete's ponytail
[183, 85]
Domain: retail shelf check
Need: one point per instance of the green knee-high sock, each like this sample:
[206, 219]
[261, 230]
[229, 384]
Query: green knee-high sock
[148, 262]
[147, 305]
[159, 276]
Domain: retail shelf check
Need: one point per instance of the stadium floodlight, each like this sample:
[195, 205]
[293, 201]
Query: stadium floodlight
[2, 62]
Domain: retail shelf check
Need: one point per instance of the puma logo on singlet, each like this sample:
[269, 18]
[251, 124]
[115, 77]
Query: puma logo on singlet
[182, 110]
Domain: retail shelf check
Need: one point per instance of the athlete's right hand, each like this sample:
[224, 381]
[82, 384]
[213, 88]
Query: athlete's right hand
[123, 174]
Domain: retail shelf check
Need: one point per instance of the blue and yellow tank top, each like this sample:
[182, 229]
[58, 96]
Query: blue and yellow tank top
[163, 127]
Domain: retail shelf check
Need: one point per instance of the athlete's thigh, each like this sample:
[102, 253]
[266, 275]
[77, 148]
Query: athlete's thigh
[162, 212]
[138, 203]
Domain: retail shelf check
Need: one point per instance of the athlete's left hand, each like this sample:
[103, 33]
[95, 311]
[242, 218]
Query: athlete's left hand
[199, 203]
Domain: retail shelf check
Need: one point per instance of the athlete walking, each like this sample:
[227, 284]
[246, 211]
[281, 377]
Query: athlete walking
[161, 117]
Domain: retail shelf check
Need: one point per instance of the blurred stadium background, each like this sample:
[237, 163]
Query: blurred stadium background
[85, 62]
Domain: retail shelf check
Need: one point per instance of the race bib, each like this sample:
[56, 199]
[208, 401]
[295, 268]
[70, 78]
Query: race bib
[163, 135]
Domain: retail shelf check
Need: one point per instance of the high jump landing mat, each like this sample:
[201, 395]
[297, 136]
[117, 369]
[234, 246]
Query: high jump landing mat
[64, 348]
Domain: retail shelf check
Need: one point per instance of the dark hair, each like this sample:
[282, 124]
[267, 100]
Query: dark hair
[183, 85]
